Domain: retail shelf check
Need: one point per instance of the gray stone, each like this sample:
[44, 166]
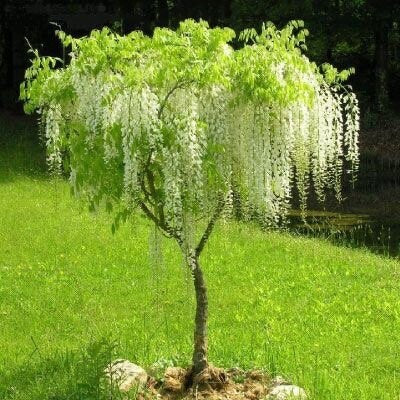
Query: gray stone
[286, 392]
[126, 375]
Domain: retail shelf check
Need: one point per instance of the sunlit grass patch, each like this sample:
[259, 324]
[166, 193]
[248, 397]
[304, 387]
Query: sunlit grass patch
[326, 317]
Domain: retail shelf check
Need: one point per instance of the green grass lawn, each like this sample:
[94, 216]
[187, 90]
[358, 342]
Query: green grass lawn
[326, 317]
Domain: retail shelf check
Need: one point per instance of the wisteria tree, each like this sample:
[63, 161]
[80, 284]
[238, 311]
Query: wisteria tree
[170, 124]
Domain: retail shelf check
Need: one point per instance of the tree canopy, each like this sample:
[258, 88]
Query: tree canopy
[181, 116]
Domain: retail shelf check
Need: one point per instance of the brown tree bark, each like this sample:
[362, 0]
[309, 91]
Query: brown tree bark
[199, 360]
[381, 65]
[200, 332]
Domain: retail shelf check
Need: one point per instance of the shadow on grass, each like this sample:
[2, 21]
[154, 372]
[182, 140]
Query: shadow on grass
[73, 375]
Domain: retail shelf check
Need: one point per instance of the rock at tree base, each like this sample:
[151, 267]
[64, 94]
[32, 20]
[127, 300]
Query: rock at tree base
[286, 392]
[126, 375]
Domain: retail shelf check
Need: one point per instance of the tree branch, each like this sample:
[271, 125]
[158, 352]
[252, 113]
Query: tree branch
[210, 227]
[178, 85]
[149, 214]
[153, 192]
[164, 228]
[146, 192]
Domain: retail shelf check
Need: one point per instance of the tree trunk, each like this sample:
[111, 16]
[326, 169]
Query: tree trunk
[200, 332]
[226, 12]
[199, 359]
[163, 13]
[148, 17]
[3, 44]
[381, 65]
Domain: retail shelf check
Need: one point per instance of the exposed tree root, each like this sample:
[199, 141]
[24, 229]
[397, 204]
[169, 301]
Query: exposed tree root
[212, 384]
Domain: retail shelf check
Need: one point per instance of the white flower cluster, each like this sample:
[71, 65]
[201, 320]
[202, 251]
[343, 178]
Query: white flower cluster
[261, 148]
[90, 92]
[53, 119]
[173, 188]
[280, 146]
[183, 155]
[137, 117]
[216, 114]
[176, 148]
[352, 128]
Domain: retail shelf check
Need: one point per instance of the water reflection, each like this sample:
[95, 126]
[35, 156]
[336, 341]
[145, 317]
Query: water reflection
[380, 235]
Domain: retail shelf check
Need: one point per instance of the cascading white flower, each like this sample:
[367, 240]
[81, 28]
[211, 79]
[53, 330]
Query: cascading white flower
[52, 120]
[267, 146]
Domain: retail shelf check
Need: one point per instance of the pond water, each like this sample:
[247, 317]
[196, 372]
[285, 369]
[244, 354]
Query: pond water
[370, 216]
[378, 234]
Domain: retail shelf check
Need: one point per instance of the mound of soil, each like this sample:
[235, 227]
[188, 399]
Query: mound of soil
[212, 384]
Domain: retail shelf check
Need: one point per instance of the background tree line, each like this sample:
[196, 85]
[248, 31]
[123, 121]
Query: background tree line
[360, 33]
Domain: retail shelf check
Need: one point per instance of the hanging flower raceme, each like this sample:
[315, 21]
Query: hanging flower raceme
[53, 120]
[174, 123]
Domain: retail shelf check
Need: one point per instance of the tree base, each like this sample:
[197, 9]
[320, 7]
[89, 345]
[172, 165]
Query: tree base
[215, 384]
